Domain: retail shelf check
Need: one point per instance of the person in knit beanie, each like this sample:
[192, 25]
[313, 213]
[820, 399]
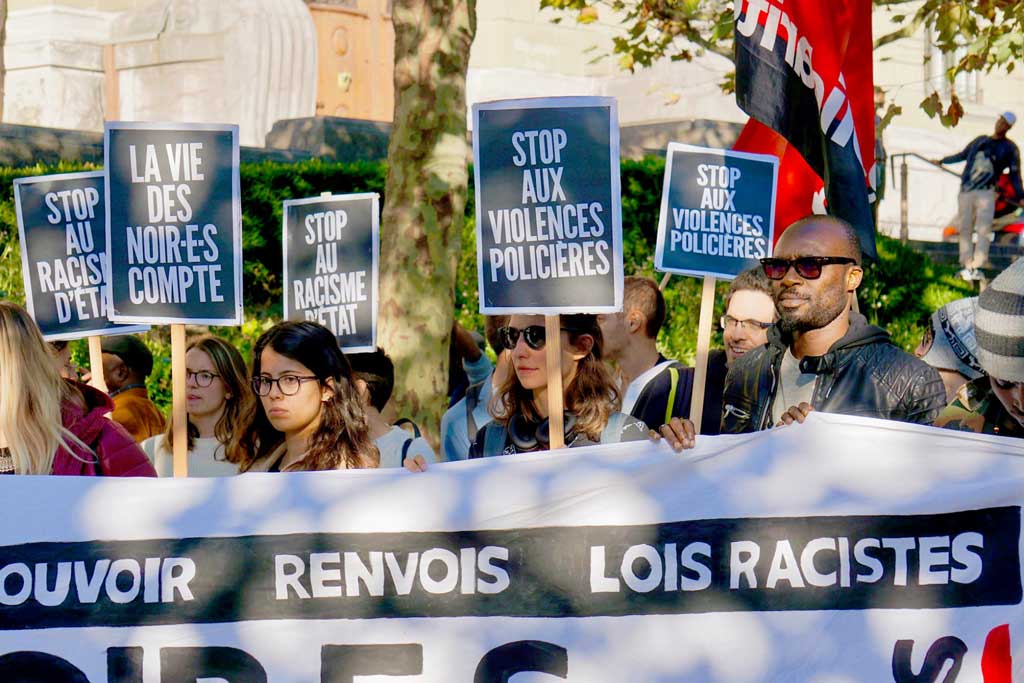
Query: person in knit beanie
[994, 403]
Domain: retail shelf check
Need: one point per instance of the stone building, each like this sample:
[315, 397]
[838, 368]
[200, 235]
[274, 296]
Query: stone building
[74, 63]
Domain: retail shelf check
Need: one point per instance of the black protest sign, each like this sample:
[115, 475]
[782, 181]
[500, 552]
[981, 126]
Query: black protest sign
[548, 211]
[717, 211]
[331, 247]
[174, 223]
[61, 222]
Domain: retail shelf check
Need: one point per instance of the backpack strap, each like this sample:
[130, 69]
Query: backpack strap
[495, 435]
[405, 449]
[472, 401]
[673, 373]
[406, 421]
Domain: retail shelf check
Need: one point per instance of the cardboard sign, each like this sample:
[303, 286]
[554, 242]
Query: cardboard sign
[717, 211]
[331, 257]
[548, 205]
[61, 221]
[175, 225]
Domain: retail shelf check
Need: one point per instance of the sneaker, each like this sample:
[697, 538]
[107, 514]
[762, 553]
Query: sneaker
[976, 274]
[965, 274]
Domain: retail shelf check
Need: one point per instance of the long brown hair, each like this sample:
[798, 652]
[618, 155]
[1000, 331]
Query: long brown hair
[342, 438]
[591, 394]
[230, 367]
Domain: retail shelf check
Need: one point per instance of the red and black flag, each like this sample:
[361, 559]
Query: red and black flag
[804, 70]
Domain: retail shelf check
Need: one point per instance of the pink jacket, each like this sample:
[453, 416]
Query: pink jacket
[116, 453]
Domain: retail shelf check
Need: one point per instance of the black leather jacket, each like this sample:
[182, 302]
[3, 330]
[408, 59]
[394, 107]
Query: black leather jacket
[863, 373]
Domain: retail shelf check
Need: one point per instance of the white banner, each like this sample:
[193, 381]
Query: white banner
[836, 551]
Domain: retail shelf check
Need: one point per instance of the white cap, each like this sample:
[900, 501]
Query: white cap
[1009, 117]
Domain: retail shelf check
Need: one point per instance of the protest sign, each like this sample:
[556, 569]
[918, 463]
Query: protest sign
[895, 549]
[331, 257]
[548, 205]
[175, 225]
[717, 211]
[61, 226]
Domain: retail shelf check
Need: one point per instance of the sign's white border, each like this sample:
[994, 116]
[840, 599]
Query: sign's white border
[374, 266]
[616, 194]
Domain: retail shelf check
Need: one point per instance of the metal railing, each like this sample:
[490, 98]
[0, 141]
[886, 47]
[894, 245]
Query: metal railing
[904, 185]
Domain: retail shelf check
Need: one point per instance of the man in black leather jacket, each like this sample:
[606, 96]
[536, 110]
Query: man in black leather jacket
[820, 355]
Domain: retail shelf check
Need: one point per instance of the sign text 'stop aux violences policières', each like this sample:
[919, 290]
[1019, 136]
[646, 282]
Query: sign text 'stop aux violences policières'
[549, 234]
[174, 223]
[63, 254]
[331, 248]
[717, 211]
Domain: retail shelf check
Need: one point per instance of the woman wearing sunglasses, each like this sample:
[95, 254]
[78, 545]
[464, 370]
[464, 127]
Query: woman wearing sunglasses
[520, 405]
[218, 395]
[307, 415]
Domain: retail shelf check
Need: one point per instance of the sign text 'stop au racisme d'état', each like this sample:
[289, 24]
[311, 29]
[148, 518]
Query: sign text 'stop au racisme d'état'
[174, 223]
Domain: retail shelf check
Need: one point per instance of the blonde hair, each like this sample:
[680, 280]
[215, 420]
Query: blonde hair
[31, 394]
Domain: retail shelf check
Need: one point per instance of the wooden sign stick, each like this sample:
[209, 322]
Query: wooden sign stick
[700, 375]
[553, 352]
[96, 378]
[179, 400]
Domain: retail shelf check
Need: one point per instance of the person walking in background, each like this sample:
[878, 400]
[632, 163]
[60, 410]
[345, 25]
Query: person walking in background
[52, 425]
[986, 157]
[127, 362]
[308, 415]
[218, 395]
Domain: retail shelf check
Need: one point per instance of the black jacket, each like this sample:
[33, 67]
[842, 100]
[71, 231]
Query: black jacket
[863, 373]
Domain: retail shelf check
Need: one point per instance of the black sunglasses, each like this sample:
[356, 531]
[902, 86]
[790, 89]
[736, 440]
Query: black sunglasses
[807, 267]
[534, 335]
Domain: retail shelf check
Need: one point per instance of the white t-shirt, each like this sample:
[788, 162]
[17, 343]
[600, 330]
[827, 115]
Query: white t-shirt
[390, 447]
[206, 459]
[795, 387]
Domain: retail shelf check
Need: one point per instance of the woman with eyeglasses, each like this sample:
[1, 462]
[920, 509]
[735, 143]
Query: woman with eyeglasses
[52, 425]
[307, 415]
[218, 395]
[520, 404]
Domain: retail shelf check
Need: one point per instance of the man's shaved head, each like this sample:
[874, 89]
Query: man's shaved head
[819, 236]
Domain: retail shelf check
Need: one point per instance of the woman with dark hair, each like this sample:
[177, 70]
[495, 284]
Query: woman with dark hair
[218, 396]
[520, 404]
[308, 415]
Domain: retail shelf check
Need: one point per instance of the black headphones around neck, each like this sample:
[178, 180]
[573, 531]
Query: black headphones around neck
[527, 435]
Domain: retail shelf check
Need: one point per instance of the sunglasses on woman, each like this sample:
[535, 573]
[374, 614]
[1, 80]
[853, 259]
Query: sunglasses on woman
[533, 335]
[807, 267]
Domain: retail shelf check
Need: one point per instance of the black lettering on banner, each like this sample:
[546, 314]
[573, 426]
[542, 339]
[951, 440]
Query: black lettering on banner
[505, 661]
[958, 559]
[946, 648]
[342, 663]
[38, 667]
[124, 664]
[189, 664]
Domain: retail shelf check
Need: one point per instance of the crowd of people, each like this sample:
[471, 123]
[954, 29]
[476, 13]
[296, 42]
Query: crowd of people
[794, 343]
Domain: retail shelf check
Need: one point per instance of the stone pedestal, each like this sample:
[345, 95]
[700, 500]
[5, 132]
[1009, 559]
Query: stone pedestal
[332, 138]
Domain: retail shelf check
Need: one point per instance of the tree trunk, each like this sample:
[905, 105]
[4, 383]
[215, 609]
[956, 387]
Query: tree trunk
[425, 200]
[3, 63]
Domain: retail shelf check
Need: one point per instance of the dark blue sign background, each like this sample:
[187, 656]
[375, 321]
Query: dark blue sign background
[175, 238]
[717, 211]
[548, 226]
[331, 265]
[61, 220]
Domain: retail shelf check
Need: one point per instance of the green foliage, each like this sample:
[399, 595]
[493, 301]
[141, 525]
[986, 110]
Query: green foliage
[989, 34]
[897, 293]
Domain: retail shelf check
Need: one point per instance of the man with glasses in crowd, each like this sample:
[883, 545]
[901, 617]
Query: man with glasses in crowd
[821, 355]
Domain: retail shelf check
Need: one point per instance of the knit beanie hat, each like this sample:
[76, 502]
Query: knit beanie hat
[999, 325]
[954, 346]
